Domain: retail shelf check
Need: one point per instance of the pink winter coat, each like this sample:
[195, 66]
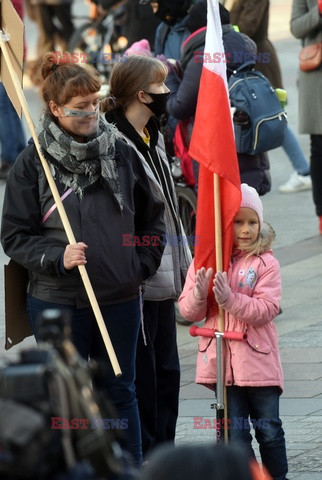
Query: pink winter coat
[251, 308]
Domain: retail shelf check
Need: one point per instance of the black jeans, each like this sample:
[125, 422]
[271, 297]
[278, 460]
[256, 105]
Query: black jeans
[158, 374]
[48, 26]
[316, 172]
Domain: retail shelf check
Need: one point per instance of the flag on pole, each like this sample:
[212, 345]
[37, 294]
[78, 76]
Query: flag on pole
[213, 146]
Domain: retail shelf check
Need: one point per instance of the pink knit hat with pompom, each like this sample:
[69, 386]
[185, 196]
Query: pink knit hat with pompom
[140, 48]
[250, 199]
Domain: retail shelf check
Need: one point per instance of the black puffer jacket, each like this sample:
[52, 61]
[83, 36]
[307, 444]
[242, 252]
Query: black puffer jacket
[182, 102]
[115, 270]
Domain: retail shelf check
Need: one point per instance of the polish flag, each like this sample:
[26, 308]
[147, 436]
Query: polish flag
[213, 146]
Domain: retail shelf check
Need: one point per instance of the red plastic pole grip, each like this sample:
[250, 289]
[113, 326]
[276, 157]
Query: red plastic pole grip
[240, 336]
[203, 332]
[209, 332]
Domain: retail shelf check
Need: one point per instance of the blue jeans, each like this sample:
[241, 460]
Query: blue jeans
[12, 138]
[261, 406]
[122, 321]
[294, 151]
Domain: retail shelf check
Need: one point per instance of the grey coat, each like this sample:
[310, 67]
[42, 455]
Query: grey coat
[306, 24]
[176, 258]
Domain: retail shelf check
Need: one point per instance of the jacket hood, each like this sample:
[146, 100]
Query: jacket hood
[268, 236]
[195, 41]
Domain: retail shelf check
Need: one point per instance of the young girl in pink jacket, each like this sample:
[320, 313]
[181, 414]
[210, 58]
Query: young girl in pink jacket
[250, 295]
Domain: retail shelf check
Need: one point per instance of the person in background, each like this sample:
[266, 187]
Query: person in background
[138, 20]
[55, 26]
[250, 294]
[172, 30]
[306, 24]
[109, 204]
[137, 96]
[169, 37]
[252, 19]
[141, 23]
[211, 462]
[12, 137]
[184, 86]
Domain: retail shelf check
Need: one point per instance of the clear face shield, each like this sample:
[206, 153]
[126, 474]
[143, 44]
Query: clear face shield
[80, 113]
[85, 123]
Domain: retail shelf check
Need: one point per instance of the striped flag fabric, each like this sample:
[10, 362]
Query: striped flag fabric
[213, 146]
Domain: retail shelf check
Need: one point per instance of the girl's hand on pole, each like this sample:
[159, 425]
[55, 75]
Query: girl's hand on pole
[203, 277]
[75, 255]
[221, 288]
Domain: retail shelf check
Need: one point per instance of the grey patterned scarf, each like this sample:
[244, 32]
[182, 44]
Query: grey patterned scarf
[82, 166]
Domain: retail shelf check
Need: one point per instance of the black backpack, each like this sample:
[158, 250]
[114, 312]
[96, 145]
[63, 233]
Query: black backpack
[260, 121]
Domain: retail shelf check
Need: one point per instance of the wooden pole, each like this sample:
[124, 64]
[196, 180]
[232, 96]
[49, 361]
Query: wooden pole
[61, 210]
[221, 315]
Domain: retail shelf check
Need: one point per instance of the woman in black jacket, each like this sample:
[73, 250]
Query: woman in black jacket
[107, 200]
[137, 94]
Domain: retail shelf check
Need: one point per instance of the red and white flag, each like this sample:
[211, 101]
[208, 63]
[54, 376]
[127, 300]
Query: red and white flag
[213, 146]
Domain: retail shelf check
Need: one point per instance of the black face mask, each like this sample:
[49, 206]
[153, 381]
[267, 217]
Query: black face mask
[159, 104]
[171, 11]
[166, 17]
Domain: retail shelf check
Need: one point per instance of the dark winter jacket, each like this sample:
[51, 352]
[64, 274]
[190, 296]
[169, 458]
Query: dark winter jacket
[141, 23]
[182, 102]
[168, 39]
[169, 279]
[252, 18]
[116, 270]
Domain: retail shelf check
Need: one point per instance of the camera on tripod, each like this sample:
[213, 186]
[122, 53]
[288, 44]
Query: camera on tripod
[48, 400]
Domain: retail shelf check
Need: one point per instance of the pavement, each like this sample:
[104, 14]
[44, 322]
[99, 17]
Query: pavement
[299, 250]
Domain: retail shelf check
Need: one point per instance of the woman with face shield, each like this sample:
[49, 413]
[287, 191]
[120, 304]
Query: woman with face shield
[107, 199]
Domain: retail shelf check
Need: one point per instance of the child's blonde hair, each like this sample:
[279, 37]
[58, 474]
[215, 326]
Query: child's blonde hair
[263, 242]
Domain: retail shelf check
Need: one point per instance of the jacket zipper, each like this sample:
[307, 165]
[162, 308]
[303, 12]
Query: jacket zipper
[176, 275]
[242, 80]
[235, 83]
[176, 261]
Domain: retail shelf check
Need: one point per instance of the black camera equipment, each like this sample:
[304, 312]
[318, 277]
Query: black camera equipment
[54, 423]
